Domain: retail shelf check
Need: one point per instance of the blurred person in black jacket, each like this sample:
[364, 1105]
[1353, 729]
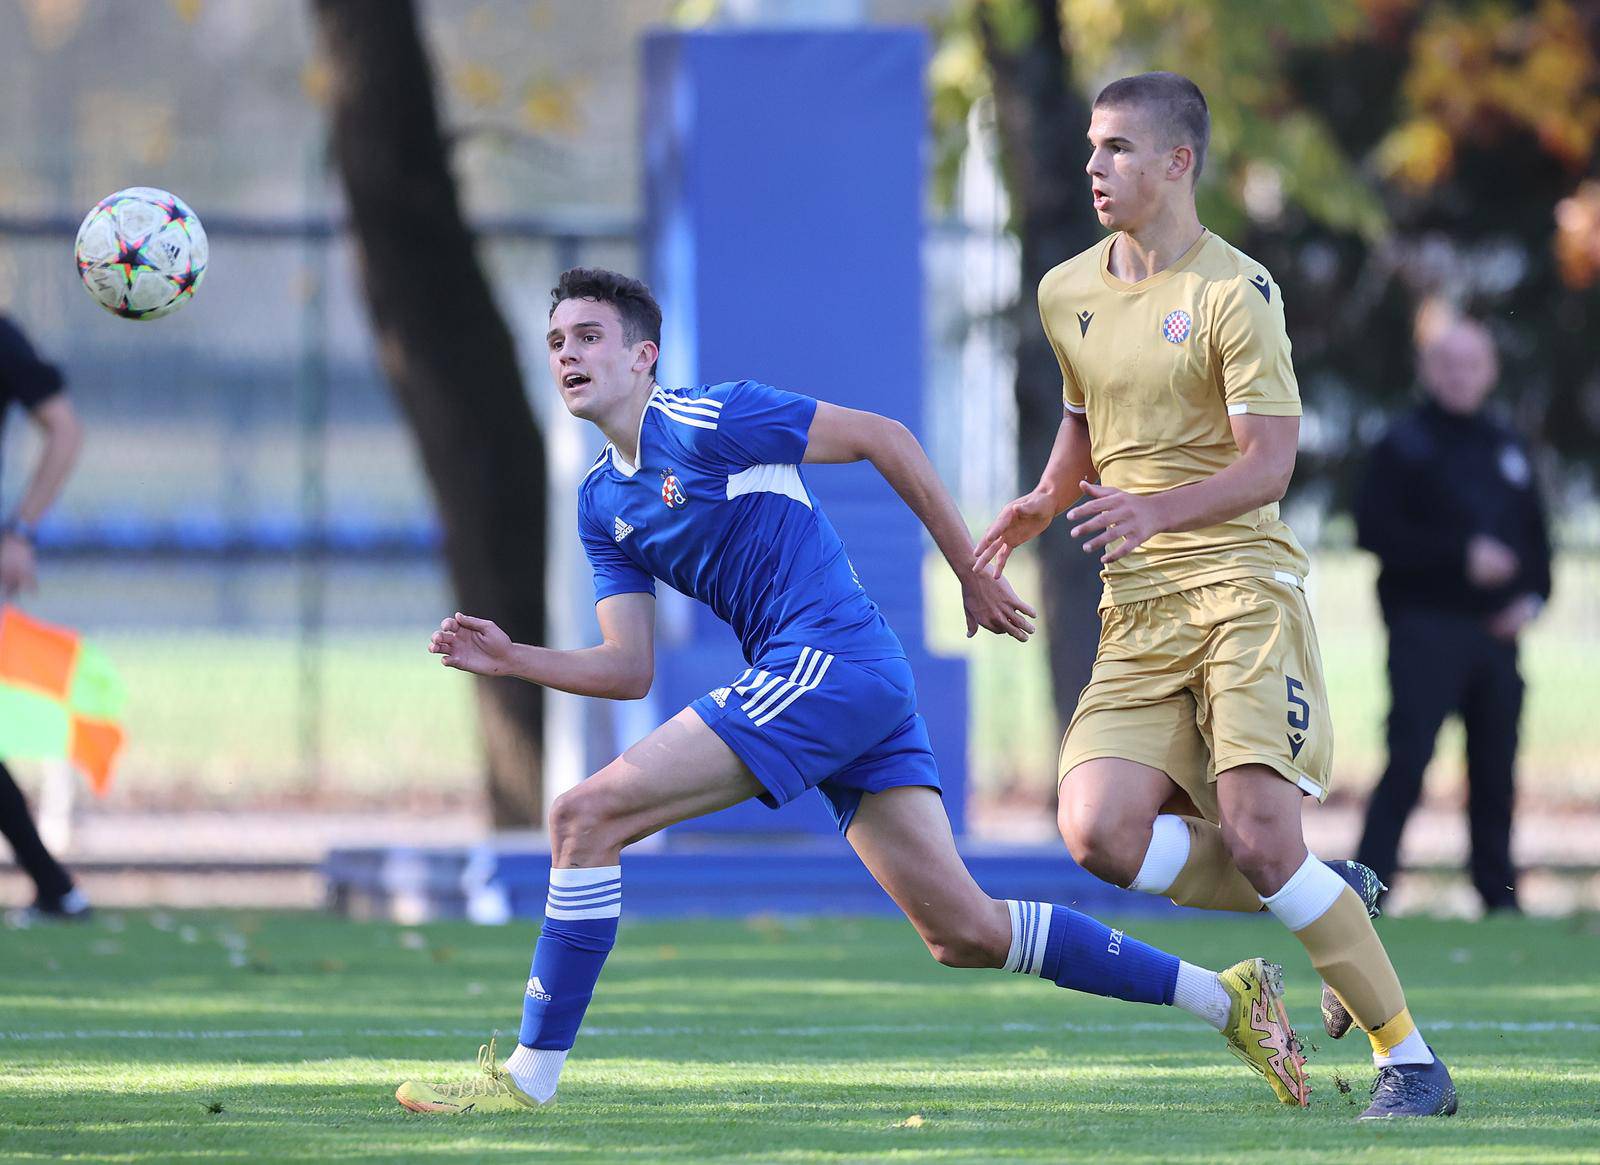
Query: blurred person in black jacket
[1449, 505]
[36, 385]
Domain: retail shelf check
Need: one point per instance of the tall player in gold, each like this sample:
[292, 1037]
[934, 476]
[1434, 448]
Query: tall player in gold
[1205, 721]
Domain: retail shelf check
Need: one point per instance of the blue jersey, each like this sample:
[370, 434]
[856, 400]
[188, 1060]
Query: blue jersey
[717, 508]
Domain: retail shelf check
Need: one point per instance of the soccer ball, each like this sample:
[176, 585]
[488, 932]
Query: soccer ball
[141, 253]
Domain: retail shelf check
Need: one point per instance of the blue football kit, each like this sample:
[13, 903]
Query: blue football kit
[717, 507]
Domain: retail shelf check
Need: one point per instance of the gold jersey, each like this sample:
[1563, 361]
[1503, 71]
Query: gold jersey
[1157, 368]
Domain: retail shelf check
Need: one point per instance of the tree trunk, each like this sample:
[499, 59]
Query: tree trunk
[449, 358]
[1042, 121]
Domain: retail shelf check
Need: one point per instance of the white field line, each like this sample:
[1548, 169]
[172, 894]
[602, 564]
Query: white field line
[822, 1031]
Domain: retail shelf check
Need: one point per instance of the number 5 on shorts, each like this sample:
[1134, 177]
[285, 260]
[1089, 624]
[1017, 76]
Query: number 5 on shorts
[1299, 709]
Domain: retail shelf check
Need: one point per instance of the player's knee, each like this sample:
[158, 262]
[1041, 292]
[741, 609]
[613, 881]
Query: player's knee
[1097, 843]
[565, 821]
[580, 821]
[1265, 856]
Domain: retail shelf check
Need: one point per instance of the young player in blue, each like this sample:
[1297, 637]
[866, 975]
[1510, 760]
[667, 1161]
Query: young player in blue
[702, 489]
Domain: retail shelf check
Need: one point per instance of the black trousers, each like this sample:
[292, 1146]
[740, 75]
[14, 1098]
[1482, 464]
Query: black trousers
[16, 823]
[1441, 664]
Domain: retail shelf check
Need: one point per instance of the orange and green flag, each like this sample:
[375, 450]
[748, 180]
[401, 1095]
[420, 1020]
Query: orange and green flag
[59, 697]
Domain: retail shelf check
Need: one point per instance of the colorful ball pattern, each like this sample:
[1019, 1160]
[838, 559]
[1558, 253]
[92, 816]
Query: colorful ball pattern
[142, 253]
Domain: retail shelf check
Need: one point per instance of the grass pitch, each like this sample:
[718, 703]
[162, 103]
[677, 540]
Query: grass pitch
[160, 1038]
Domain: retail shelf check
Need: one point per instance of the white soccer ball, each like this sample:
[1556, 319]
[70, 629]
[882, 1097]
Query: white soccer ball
[141, 253]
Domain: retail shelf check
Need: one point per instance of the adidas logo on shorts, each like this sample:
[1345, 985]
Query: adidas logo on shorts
[720, 695]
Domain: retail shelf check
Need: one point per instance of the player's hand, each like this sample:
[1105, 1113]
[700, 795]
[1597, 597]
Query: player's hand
[1020, 520]
[1509, 623]
[1110, 514]
[471, 644]
[1490, 562]
[993, 605]
[18, 568]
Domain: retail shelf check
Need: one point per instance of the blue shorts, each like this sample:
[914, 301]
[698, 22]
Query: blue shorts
[840, 727]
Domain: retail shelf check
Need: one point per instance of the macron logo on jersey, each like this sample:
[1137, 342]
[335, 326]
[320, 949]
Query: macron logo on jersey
[536, 990]
[621, 530]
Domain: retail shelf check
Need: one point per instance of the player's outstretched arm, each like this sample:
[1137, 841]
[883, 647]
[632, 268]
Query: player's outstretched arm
[621, 667]
[838, 434]
[1028, 516]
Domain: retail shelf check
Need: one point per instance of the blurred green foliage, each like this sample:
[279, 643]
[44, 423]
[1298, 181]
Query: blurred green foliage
[1373, 155]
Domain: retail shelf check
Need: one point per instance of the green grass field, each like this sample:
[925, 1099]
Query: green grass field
[160, 1038]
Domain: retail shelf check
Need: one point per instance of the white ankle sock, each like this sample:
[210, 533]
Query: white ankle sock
[1411, 1050]
[1201, 994]
[536, 1070]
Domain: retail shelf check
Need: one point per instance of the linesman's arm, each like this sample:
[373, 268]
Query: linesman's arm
[58, 424]
[621, 667]
[841, 435]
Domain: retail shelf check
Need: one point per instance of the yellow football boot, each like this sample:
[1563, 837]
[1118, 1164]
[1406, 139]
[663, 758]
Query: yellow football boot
[1258, 1030]
[491, 1090]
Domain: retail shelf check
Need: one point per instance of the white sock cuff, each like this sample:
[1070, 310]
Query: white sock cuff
[1030, 929]
[1306, 896]
[595, 892]
[1198, 992]
[1411, 1050]
[592, 875]
[537, 1071]
[1166, 857]
[1014, 955]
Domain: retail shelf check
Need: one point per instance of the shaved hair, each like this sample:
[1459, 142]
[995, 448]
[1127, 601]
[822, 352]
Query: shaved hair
[1175, 104]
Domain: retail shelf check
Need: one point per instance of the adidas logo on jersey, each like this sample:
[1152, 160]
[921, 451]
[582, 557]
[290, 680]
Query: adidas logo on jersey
[536, 990]
[621, 530]
[720, 695]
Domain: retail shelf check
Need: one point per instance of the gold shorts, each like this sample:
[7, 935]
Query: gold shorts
[1204, 680]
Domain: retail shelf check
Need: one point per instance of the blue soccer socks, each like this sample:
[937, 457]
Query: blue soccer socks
[1073, 950]
[580, 928]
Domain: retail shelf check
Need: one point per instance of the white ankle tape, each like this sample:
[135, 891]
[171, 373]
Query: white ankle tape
[1166, 857]
[1307, 895]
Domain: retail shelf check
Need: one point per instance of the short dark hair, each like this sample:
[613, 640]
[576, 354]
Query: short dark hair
[1175, 103]
[641, 314]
